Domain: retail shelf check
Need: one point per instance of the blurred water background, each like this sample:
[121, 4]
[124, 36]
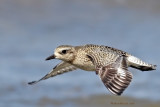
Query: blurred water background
[31, 29]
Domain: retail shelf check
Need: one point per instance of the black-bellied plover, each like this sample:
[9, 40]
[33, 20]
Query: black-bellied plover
[109, 63]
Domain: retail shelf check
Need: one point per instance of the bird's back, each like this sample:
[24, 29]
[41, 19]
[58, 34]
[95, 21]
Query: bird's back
[112, 54]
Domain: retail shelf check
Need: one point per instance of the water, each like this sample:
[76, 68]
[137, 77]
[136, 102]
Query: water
[30, 30]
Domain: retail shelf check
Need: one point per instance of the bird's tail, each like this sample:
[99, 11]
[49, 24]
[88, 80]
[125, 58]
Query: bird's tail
[139, 64]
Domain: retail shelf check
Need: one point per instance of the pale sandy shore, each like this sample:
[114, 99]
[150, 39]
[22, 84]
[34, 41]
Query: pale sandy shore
[99, 101]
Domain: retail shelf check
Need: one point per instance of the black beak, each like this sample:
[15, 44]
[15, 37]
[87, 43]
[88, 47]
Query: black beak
[50, 57]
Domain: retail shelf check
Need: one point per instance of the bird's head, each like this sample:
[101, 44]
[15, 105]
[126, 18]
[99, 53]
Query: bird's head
[63, 52]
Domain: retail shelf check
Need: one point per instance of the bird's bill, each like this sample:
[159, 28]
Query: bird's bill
[50, 57]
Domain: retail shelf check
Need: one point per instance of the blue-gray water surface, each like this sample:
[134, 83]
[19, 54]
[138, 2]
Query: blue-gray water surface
[30, 30]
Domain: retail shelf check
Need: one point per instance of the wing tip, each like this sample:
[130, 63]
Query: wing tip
[117, 84]
[115, 93]
[148, 68]
[31, 83]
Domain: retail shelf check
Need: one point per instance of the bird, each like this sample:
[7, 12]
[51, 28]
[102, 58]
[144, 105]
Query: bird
[109, 63]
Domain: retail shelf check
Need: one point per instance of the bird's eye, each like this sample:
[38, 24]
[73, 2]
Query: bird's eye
[64, 51]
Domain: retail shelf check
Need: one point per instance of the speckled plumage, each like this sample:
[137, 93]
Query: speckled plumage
[109, 63]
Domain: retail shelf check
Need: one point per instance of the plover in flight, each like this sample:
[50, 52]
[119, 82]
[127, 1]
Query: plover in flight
[109, 63]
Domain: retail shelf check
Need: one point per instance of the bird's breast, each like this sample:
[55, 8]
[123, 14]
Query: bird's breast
[83, 63]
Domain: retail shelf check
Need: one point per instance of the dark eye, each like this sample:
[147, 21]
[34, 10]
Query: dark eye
[64, 51]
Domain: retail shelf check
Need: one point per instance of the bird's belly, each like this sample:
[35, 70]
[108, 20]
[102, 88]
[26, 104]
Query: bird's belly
[88, 66]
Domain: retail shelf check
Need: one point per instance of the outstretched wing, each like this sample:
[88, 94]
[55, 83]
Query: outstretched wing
[115, 75]
[61, 68]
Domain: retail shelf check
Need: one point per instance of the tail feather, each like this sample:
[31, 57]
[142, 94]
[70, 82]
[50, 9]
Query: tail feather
[139, 64]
